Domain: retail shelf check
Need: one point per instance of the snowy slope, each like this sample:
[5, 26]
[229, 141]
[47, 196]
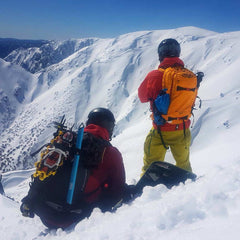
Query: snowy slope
[15, 84]
[71, 87]
[108, 74]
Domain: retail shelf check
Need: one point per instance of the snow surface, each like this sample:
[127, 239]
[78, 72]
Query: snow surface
[107, 74]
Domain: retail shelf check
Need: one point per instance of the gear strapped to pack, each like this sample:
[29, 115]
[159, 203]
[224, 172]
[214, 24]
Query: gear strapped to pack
[60, 149]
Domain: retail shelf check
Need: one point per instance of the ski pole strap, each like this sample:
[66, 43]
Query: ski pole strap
[184, 128]
[75, 166]
[160, 133]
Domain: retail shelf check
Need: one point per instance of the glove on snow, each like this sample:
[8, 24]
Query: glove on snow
[26, 208]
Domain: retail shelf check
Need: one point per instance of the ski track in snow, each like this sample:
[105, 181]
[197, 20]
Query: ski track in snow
[107, 73]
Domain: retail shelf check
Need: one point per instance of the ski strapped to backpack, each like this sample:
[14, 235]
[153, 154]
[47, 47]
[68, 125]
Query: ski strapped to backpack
[75, 165]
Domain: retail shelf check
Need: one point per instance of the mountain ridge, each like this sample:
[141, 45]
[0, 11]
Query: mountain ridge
[7, 45]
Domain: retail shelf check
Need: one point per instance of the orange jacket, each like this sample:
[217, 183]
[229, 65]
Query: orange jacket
[151, 86]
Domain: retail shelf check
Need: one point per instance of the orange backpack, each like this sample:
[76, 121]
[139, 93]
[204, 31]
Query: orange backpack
[182, 86]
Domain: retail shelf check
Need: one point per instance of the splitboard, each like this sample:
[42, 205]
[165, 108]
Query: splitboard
[158, 173]
[164, 173]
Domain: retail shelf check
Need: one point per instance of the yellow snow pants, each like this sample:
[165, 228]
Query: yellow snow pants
[179, 145]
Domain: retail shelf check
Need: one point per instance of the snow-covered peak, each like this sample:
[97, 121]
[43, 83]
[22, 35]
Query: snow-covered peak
[37, 58]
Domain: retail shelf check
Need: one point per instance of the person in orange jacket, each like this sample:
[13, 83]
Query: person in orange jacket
[175, 136]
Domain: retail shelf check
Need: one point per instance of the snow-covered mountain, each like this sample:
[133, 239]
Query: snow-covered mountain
[37, 58]
[15, 84]
[7, 45]
[107, 73]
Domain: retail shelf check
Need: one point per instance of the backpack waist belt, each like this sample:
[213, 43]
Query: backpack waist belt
[60, 208]
[177, 118]
[173, 127]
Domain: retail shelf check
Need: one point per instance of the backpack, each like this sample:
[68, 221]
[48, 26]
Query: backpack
[175, 102]
[62, 149]
[54, 168]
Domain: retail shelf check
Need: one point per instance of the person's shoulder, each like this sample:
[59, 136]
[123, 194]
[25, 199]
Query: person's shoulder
[113, 150]
[154, 73]
[112, 154]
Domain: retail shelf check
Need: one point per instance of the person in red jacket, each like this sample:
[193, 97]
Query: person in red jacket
[111, 173]
[175, 136]
[104, 187]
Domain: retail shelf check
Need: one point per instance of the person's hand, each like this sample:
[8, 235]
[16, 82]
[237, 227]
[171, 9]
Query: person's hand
[26, 209]
[130, 193]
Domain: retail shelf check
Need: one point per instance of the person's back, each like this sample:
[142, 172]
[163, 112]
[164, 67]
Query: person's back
[104, 182]
[168, 131]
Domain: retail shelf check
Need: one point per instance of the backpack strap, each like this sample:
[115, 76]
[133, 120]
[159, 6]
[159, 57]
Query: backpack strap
[160, 133]
[92, 151]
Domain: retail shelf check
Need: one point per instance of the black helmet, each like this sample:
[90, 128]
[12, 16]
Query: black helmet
[103, 118]
[168, 48]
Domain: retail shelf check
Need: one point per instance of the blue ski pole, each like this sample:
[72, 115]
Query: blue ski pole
[75, 165]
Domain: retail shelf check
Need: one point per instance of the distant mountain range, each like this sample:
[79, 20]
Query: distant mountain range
[35, 58]
[7, 45]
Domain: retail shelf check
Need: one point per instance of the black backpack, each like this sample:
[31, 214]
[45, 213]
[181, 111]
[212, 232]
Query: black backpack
[53, 170]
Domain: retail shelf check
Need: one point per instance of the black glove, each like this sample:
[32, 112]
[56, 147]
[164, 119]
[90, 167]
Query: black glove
[26, 208]
[131, 192]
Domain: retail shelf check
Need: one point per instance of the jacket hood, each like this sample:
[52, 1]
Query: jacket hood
[169, 62]
[97, 131]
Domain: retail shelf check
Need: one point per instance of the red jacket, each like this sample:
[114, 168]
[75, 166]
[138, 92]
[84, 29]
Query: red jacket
[151, 86]
[110, 174]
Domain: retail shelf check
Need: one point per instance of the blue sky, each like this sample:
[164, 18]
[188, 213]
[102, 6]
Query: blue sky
[64, 19]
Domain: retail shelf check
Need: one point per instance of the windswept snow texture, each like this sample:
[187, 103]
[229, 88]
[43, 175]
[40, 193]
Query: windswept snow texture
[107, 73]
